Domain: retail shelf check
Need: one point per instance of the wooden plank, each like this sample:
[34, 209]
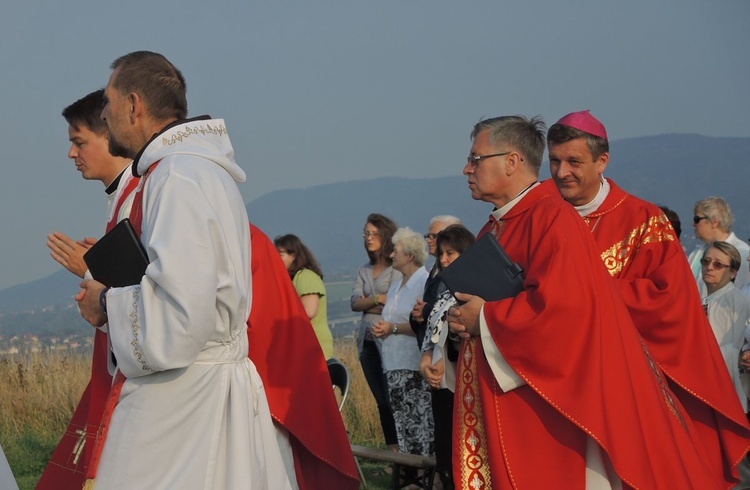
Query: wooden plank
[388, 456]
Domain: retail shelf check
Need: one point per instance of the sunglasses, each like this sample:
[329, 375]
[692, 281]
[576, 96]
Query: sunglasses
[698, 219]
[705, 262]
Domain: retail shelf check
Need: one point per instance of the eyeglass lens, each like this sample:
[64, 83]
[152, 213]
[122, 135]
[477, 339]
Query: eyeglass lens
[717, 265]
[697, 219]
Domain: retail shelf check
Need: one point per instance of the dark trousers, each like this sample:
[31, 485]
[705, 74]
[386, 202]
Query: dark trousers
[442, 412]
[372, 366]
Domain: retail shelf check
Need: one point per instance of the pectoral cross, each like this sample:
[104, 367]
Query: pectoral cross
[78, 448]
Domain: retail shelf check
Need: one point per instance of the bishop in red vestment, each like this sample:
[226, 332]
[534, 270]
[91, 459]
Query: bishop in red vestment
[555, 387]
[640, 249]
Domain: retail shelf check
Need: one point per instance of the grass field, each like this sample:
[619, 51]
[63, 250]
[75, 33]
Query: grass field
[40, 392]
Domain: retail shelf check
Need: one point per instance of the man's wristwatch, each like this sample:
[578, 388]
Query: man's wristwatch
[394, 329]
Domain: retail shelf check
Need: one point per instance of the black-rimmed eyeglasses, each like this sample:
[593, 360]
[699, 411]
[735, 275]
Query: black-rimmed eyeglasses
[698, 219]
[474, 160]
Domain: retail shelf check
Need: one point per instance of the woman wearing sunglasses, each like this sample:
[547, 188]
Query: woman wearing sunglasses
[727, 308]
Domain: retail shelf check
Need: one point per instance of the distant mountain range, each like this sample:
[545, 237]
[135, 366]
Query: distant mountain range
[673, 170]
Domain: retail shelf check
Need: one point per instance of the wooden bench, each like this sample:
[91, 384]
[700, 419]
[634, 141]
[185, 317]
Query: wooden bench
[401, 462]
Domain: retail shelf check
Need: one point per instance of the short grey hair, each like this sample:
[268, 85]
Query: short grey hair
[526, 136]
[735, 259]
[718, 209]
[412, 243]
[445, 218]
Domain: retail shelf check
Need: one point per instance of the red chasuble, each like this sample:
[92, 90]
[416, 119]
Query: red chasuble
[287, 355]
[70, 461]
[588, 374]
[639, 248]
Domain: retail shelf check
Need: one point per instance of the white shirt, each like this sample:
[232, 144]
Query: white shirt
[728, 314]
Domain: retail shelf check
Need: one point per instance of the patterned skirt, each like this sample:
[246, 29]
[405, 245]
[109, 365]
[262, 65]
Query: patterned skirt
[412, 411]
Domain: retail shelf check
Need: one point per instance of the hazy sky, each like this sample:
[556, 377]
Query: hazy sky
[318, 92]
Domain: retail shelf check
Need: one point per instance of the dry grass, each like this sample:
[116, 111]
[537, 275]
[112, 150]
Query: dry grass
[41, 390]
[39, 394]
[360, 411]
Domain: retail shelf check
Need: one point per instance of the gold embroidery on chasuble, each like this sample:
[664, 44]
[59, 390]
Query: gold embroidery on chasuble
[475, 471]
[657, 229]
[662, 382]
[79, 445]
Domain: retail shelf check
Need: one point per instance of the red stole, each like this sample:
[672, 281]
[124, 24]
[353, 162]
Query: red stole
[588, 374]
[640, 249]
[70, 461]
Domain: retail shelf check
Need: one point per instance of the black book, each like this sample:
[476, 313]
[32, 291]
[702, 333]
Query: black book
[118, 259]
[484, 270]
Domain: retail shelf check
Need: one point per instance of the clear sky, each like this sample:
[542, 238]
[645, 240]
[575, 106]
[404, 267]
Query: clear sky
[322, 91]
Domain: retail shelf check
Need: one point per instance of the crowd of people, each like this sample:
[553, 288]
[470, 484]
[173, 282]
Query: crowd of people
[650, 295]
[621, 364]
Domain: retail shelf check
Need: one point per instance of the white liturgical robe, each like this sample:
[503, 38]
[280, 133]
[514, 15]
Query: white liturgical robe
[192, 413]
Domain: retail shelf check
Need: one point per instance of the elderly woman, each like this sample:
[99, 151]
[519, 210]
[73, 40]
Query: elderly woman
[410, 398]
[369, 295]
[727, 308]
[308, 281]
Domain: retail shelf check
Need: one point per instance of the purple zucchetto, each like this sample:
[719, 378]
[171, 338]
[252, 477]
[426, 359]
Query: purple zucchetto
[584, 121]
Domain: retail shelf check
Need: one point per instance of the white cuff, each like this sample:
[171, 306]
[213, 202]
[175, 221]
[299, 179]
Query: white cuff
[506, 377]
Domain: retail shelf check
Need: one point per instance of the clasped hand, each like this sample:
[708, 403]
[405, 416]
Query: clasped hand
[68, 252]
[382, 329]
[417, 313]
[88, 302]
[464, 319]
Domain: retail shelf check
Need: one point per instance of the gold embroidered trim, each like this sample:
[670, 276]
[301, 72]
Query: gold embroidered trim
[475, 470]
[657, 229]
[188, 131]
[79, 445]
[662, 381]
[137, 328]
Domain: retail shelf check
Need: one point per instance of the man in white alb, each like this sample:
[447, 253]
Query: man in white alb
[192, 411]
[89, 149]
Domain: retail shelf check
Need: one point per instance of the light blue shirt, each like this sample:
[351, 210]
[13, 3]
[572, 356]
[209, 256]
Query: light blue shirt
[402, 351]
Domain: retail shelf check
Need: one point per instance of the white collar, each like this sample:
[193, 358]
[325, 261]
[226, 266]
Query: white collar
[586, 209]
[500, 212]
